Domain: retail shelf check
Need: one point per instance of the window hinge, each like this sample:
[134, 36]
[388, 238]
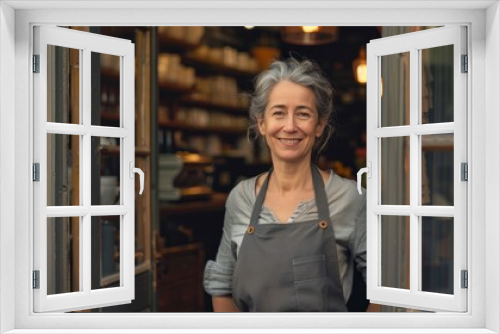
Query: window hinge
[464, 171]
[36, 63]
[36, 172]
[465, 279]
[465, 64]
[36, 279]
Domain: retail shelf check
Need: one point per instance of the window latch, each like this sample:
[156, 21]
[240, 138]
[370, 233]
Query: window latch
[368, 171]
[133, 170]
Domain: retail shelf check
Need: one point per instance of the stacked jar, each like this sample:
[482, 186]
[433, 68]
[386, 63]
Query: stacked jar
[191, 35]
[202, 117]
[225, 56]
[220, 90]
[170, 70]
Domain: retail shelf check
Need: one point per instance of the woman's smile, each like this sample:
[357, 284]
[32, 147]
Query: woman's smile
[289, 141]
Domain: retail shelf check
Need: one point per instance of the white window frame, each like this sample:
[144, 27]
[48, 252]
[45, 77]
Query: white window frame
[85, 43]
[414, 297]
[483, 21]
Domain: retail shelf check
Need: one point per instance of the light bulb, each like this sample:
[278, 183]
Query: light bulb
[310, 29]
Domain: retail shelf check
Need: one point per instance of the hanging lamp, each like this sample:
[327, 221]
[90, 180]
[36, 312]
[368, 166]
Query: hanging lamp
[359, 67]
[309, 35]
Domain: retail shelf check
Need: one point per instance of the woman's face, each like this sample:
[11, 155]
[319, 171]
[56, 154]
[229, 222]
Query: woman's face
[290, 122]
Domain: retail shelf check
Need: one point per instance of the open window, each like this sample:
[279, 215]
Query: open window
[417, 160]
[72, 155]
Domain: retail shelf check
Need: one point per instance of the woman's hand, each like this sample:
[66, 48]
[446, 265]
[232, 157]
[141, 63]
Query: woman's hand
[224, 304]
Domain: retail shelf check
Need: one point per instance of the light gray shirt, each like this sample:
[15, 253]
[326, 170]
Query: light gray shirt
[347, 213]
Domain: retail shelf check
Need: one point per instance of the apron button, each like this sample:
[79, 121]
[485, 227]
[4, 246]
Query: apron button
[323, 224]
[250, 229]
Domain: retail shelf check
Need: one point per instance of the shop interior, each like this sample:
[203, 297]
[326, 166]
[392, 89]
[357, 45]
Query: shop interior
[192, 87]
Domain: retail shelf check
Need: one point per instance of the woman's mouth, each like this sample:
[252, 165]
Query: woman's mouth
[289, 141]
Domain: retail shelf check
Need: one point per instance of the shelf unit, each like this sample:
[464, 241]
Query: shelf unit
[214, 204]
[217, 116]
[177, 100]
[218, 67]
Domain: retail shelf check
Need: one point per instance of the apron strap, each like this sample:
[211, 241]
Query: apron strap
[257, 207]
[319, 193]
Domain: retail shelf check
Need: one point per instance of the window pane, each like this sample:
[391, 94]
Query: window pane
[437, 254]
[437, 84]
[63, 255]
[105, 89]
[395, 86]
[395, 255]
[437, 170]
[63, 85]
[105, 251]
[105, 171]
[395, 171]
[63, 177]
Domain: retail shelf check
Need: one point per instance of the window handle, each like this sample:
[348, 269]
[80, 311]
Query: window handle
[368, 171]
[138, 171]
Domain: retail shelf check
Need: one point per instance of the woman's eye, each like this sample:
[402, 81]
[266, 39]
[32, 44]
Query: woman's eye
[303, 115]
[278, 113]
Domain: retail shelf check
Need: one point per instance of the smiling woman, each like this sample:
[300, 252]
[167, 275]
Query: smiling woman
[302, 226]
[290, 123]
[304, 78]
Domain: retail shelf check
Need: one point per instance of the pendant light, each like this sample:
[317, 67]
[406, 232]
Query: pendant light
[359, 67]
[309, 35]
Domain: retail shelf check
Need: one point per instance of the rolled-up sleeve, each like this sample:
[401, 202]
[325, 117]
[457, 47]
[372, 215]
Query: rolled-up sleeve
[218, 274]
[360, 237]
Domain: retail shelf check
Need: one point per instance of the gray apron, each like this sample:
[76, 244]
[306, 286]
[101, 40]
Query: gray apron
[289, 267]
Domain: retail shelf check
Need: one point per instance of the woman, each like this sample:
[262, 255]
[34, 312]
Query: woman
[292, 236]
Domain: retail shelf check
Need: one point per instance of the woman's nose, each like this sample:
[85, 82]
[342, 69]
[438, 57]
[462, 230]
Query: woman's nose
[290, 124]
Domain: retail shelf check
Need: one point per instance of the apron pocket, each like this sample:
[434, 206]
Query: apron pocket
[308, 267]
[310, 283]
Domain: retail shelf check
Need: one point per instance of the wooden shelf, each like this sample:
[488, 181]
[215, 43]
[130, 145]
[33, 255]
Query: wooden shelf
[217, 67]
[442, 142]
[170, 87]
[110, 74]
[111, 149]
[216, 202]
[176, 125]
[215, 106]
[175, 44]
[173, 250]
[139, 151]
[110, 116]
[142, 151]
[127, 32]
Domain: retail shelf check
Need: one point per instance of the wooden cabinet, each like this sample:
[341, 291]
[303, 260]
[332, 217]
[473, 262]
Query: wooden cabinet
[180, 278]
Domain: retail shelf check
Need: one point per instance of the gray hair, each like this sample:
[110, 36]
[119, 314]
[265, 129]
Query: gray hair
[305, 73]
